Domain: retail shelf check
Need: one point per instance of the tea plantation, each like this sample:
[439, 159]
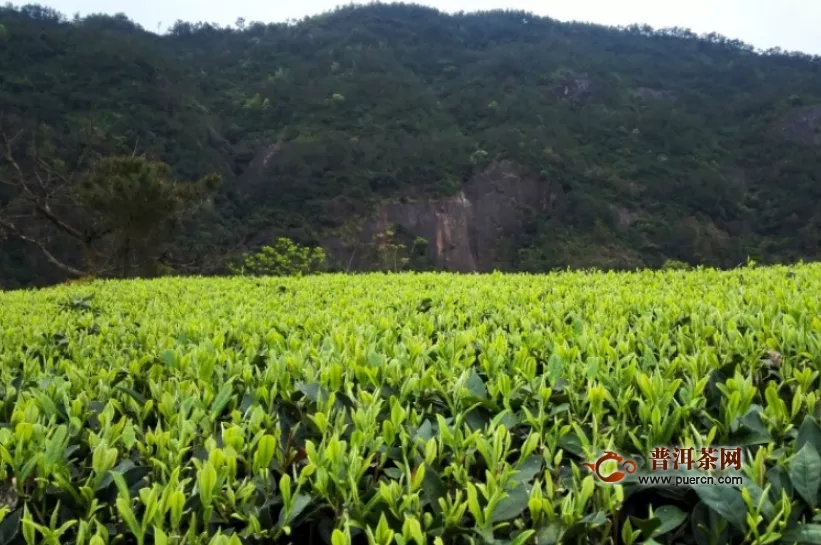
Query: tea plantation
[409, 409]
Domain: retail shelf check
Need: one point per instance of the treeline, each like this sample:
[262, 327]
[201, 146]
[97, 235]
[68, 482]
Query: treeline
[664, 144]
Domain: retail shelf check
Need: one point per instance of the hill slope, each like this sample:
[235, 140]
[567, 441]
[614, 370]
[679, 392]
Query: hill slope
[629, 146]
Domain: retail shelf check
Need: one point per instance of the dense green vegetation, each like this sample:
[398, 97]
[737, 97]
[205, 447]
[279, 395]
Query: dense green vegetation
[417, 408]
[661, 144]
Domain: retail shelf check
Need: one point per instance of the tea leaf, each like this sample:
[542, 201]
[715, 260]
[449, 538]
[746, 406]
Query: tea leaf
[433, 488]
[726, 502]
[549, 535]
[476, 386]
[555, 367]
[671, 517]
[528, 469]
[512, 505]
[805, 473]
[10, 527]
[222, 399]
[809, 432]
[779, 480]
[803, 533]
[646, 527]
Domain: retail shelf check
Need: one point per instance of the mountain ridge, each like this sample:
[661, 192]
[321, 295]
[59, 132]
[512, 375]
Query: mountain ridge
[664, 144]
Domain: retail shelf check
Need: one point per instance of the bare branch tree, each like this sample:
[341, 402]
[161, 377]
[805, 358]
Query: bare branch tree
[121, 211]
[11, 228]
[32, 211]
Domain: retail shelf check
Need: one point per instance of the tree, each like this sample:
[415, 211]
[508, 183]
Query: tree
[122, 207]
[389, 250]
[394, 255]
[137, 200]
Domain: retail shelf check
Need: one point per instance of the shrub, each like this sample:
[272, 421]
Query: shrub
[284, 258]
[676, 265]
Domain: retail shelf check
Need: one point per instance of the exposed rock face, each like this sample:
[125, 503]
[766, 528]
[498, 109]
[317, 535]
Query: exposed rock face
[804, 124]
[580, 88]
[624, 217]
[250, 179]
[648, 93]
[467, 231]
[264, 157]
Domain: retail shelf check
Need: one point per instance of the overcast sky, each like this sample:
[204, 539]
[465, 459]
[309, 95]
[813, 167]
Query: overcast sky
[793, 25]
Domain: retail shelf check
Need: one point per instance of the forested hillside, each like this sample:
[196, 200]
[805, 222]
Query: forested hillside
[554, 144]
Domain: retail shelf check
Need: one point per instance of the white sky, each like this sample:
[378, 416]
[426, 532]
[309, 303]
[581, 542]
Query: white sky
[793, 25]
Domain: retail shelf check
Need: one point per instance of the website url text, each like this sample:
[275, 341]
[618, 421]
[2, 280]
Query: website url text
[690, 480]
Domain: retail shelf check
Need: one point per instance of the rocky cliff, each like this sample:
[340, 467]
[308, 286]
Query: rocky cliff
[466, 232]
[804, 124]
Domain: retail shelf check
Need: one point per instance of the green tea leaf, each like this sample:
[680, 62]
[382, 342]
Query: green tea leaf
[139, 398]
[222, 399]
[168, 358]
[122, 487]
[757, 495]
[523, 537]
[571, 443]
[726, 502]
[433, 489]
[809, 432]
[595, 519]
[206, 482]
[528, 469]
[476, 386]
[10, 527]
[708, 527]
[160, 537]
[315, 392]
[266, 448]
[555, 367]
[671, 517]
[647, 527]
[298, 505]
[803, 533]
[124, 508]
[805, 474]
[779, 480]
[549, 535]
[512, 505]
[425, 431]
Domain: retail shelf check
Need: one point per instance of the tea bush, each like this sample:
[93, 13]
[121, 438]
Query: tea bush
[412, 408]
